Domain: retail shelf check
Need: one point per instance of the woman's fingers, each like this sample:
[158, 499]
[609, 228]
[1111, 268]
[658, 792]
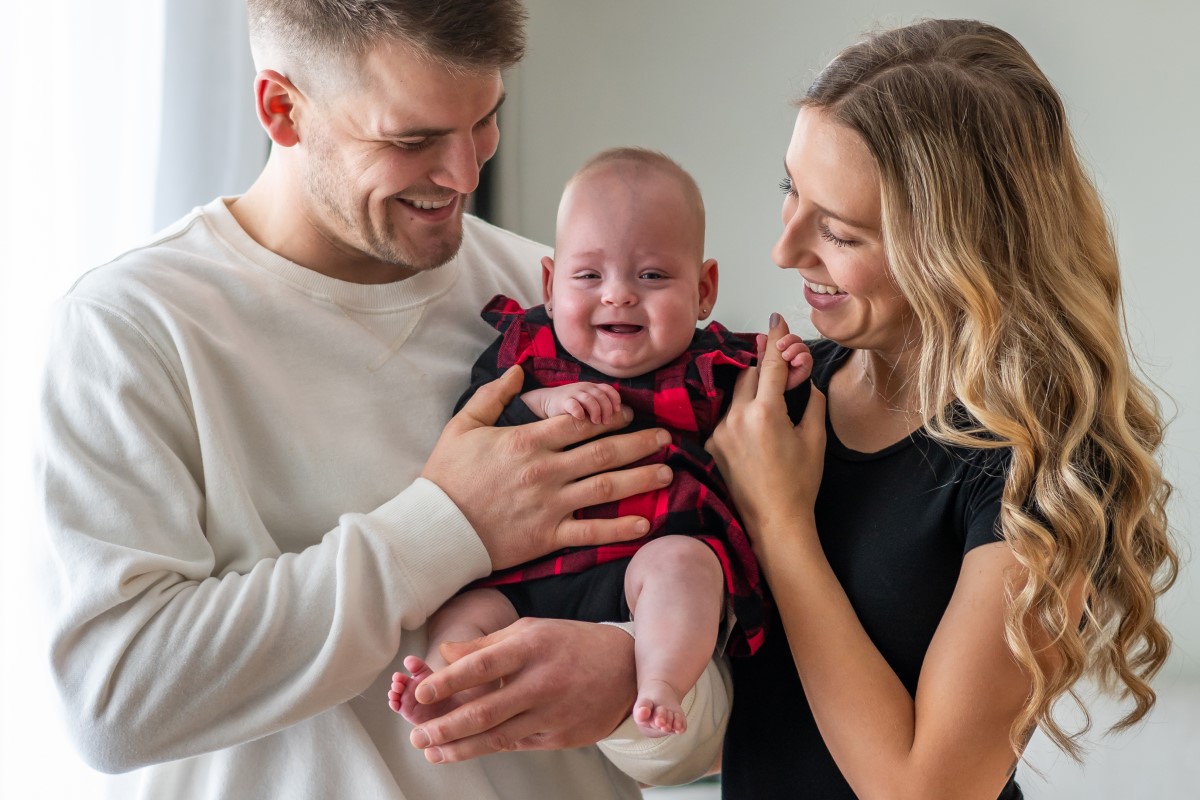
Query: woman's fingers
[773, 369]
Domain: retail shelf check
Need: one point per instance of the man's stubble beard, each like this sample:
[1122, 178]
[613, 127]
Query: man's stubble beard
[381, 245]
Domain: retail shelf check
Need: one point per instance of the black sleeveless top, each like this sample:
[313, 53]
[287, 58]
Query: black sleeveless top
[895, 526]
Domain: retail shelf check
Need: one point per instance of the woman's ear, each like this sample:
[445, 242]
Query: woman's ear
[275, 99]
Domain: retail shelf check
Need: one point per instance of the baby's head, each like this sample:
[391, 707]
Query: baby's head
[628, 280]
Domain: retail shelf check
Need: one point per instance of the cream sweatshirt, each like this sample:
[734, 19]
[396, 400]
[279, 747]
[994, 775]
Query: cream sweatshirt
[229, 455]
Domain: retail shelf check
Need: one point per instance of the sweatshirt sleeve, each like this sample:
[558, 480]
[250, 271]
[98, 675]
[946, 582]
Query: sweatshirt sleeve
[158, 653]
[681, 758]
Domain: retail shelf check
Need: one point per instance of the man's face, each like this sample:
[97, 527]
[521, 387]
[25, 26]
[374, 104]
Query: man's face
[388, 160]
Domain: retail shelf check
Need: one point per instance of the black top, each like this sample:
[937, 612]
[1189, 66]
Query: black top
[895, 526]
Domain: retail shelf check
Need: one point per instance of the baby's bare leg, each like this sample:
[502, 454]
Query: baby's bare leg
[676, 592]
[465, 617]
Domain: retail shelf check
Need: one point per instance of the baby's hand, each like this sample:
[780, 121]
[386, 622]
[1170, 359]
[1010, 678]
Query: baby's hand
[583, 401]
[795, 353]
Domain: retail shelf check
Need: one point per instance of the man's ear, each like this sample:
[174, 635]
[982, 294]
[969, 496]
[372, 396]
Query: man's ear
[708, 287]
[275, 100]
[547, 283]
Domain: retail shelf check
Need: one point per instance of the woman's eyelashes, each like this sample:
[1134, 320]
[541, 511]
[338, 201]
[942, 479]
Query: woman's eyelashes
[832, 237]
[823, 229]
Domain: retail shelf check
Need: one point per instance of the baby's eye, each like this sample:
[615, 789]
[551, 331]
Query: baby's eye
[587, 276]
[653, 275]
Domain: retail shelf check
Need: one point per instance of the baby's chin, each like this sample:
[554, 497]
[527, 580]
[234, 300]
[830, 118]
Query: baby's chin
[634, 369]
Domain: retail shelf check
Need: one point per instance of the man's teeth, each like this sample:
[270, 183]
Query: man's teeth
[427, 205]
[821, 288]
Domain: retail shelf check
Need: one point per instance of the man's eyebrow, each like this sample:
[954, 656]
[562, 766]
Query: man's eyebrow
[423, 133]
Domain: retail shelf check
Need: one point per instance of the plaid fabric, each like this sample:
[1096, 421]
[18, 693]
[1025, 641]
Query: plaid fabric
[687, 397]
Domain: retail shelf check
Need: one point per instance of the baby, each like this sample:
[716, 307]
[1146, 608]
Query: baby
[624, 291]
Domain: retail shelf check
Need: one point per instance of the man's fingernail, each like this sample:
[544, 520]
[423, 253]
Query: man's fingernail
[775, 320]
[642, 526]
[434, 755]
[425, 693]
[419, 738]
[664, 474]
[627, 413]
[663, 438]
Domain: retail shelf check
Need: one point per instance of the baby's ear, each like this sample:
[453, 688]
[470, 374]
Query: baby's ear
[547, 280]
[708, 287]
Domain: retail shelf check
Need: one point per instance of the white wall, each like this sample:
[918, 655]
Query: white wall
[709, 82]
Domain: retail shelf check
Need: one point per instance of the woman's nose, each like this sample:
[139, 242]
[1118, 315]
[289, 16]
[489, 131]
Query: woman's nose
[794, 250]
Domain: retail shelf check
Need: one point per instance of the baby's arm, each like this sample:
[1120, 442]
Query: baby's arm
[795, 354]
[584, 401]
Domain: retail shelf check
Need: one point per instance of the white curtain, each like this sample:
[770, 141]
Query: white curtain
[211, 141]
[115, 118]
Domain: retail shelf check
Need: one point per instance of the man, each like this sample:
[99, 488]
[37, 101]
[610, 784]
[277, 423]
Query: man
[250, 507]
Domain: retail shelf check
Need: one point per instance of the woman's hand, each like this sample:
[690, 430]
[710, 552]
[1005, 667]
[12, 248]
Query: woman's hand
[772, 468]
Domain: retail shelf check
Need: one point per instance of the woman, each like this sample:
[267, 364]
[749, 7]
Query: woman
[970, 516]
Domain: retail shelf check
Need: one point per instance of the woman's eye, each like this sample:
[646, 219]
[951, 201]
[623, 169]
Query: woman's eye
[833, 238]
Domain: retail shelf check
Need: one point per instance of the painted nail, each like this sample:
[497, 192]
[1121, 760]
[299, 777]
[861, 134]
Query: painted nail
[775, 320]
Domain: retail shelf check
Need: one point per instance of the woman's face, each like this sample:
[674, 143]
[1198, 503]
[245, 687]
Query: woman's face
[832, 237]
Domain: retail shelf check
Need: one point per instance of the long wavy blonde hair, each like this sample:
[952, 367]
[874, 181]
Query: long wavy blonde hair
[998, 239]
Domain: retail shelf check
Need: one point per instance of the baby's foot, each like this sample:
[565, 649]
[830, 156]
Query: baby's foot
[403, 696]
[657, 710]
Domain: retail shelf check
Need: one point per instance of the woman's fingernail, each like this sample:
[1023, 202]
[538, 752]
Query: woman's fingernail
[419, 738]
[775, 320]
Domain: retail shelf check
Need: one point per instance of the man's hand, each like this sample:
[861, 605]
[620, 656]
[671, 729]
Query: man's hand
[563, 684]
[519, 487]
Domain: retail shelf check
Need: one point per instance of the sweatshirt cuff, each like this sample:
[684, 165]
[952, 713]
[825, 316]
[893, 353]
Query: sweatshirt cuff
[433, 546]
[680, 758]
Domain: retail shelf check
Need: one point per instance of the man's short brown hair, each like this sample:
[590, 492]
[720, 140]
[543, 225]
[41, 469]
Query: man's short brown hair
[470, 35]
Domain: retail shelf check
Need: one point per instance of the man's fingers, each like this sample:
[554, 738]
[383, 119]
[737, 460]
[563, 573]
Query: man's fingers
[609, 453]
[618, 485]
[486, 405]
[451, 744]
[585, 532]
[489, 658]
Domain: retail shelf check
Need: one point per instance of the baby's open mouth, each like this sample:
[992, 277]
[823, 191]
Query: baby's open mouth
[623, 329]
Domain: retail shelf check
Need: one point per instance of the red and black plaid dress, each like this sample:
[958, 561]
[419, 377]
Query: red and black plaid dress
[687, 397]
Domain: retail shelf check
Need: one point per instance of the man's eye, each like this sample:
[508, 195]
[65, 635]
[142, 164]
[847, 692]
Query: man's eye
[413, 144]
